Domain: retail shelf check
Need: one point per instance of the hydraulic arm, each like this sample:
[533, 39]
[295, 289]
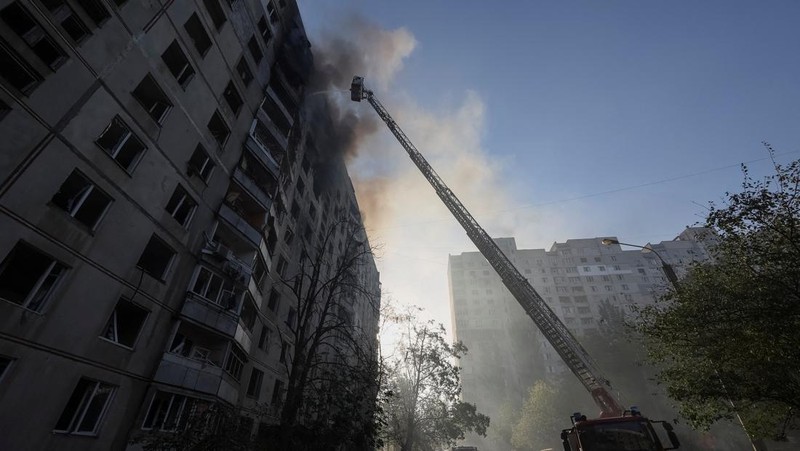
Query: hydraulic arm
[550, 325]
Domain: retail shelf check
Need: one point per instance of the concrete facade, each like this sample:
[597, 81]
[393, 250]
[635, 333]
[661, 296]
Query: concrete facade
[149, 153]
[576, 278]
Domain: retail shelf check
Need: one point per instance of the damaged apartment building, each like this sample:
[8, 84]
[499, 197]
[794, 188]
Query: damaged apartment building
[156, 187]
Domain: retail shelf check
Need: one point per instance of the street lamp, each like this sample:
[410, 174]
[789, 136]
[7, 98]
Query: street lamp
[668, 271]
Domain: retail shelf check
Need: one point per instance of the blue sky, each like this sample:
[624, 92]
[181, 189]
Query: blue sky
[570, 100]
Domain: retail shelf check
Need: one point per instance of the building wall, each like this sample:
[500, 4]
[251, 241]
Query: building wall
[55, 351]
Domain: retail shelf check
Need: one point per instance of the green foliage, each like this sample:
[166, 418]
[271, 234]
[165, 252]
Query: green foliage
[728, 339]
[424, 410]
[538, 427]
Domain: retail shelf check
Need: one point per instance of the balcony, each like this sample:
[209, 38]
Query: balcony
[195, 362]
[268, 137]
[239, 223]
[263, 155]
[210, 314]
[255, 190]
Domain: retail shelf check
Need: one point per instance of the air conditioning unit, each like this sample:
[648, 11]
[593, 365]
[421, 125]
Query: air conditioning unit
[222, 251]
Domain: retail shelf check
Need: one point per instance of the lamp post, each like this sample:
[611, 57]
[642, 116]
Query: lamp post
[668, 271]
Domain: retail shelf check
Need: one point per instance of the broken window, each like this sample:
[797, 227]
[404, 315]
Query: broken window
[125, 323]
[219, 129]
[291, 317]
[16, 71]
[288, 236]
[216, 12]
[277, 392]
[254, 386]
[86, 407]
[82, 200]
[248, 315]
[152, 98]
[284, 352]
[208, 285]
[178, 64]
[181, 206]
[28, 276]
[259, 271]
[275, 114]
[170, 412]
[22, 23]
[235, 362]
[273, 13]
[197, 33]
[156, 258]
[263, 28]
[255, 50]
[233, 98]
[201, 164]
[121, 144]
[244, 71]
[5, 363]
[274, 300]
[263, 339]
[69, 21]
[95, 10]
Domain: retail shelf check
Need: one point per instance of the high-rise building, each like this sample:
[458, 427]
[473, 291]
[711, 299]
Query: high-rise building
[157, 185]
[579, 280]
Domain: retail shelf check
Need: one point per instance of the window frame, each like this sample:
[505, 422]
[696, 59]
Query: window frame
[83, 407]
[118, 146]
[116, 326]
[37, 286]
[208, 164]
[185, 199]
[153, 108]
[167, 267]
[259, 382]
[75, 208]
[175, 50]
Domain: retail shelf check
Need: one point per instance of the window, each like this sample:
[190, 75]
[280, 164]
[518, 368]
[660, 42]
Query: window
[284, 351]
[95, 10]
[584, 310]
[82, 200]
[152, 98]
[178, 64]
[606, 279]
[28, 277]
[263, 28]
[156, 258]
[197, 33]
[125, 323]
[121, 144]
[288, 236]
[259, 271]
[215, 11]
[210, 286]
[219, 130]
[291, 317]
[274, 300]
[255, 50]
[244, 71]
[16, 71]
[169, 412]
[69, 21]
[254, 386]
[235, 362]
[282, 265]
[86, 407]
[22, 23]
[273, 13]
[248, 315]
[263, 339]
[5, 363]
[277, 392]
[181, 206]
[232, 98]
[200, 163]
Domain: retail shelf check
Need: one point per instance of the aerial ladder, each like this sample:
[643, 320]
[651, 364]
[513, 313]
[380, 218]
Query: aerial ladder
[612, 414]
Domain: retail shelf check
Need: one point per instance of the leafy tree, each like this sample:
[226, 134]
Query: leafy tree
[424, 410]
[727, 338]
[503, 422]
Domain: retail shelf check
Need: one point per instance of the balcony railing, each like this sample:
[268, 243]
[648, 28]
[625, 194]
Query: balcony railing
[198, 375]
[239, 223]
[208, 313]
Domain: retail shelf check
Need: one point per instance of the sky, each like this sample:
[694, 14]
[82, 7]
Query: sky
[558, 120]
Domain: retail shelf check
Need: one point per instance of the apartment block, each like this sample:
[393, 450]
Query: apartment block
[579, 280]
[156, 186]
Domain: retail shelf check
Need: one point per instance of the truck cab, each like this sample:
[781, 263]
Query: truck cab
[630, 432]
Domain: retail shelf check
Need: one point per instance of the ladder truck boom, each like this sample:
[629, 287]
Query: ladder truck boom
[553, 329]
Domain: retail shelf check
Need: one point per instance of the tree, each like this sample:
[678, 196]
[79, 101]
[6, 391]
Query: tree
[424, 410]
[727, 338]
[330, 361]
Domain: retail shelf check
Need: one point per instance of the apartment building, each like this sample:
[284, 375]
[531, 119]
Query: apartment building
[154, 191]
[579, 280]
